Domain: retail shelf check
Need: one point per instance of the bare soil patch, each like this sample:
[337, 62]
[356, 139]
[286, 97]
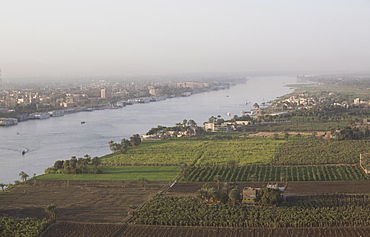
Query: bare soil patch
[322, 187]
[78, 201]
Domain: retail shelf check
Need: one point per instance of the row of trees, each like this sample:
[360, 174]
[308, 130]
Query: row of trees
[75, 166]
[231, 194]
[184, 128]
[122, 148]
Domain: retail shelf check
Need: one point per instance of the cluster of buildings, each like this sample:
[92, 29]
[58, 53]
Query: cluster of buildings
[96, 94]
[225, 126]
[307, 101]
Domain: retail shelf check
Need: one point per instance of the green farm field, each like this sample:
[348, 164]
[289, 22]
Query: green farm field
[319, 151]
[304, 150]
[302, 126]
[152, 173]
[243, 151]
[277, 173]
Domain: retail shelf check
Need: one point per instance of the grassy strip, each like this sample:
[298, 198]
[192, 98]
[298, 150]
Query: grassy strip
[152, 173]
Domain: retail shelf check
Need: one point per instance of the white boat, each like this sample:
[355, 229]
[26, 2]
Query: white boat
[57, 113]
[39, 116]
[8, 121]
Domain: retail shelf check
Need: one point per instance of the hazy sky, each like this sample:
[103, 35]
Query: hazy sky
[111, 37]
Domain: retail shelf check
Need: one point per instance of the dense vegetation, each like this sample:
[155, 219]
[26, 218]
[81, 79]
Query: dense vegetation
[276, 173]
[298, 126]
[75, 166]
[170, 153]
[314, 211]
[27, 227]
[319, 151]
[152, 173]
[220, 152]
[243, 152]
[291, 150]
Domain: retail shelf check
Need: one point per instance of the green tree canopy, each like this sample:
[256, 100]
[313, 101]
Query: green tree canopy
[269, 197]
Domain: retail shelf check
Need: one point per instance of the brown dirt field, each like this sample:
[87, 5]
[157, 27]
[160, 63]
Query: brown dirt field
[81, 201]
[82, 229]
[292, 188]
[111, 230]
[322, 187]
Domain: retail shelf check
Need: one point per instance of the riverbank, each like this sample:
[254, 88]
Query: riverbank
[60, 138]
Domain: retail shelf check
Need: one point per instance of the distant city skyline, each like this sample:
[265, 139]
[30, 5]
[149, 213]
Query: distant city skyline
[132, 38]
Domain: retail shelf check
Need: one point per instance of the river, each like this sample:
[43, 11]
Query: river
[60, 138]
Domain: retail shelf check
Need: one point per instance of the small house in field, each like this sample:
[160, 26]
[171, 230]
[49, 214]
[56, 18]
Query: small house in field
[249, 195]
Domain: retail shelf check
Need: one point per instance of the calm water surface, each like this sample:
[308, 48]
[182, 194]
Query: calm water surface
[60, 138]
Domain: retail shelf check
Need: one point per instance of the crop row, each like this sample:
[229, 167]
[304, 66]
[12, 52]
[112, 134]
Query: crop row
[243, 151]
[276, 173]
[303, 127]
[93, 229]
[318, 151]
[159, 231]
[187, 211]
[256, 150]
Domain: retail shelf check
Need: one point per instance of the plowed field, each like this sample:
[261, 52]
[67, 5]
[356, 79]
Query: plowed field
[78, 201]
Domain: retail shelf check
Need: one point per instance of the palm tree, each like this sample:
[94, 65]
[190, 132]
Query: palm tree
[192, 123]
[135, 140]
[218, 179]
[227, 185]
[184, 122]
[143, 181]
[235, 196]
[183, 167]
[52, 211]
[24, 176]
[2, 185]
[95, 161]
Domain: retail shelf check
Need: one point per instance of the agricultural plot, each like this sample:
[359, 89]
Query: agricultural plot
[253, 150]
[317, 211]
[183, 189]
[277, 173]
[152, 173]
[318, 151]
[245, 151]
[82, 229]
[248, 151]
[171, 153]
[10, 226]
[302, 126]
[110, 230]
[79, 200]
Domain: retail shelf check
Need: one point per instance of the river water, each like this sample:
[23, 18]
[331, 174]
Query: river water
[60, 138]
